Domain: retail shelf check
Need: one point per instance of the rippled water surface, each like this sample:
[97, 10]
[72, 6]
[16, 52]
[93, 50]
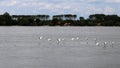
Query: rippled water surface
[59, 47]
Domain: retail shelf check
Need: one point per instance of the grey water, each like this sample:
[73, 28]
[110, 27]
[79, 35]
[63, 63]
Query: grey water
[38, 47]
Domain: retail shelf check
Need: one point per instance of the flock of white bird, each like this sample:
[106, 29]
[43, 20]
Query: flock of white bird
[97, 43]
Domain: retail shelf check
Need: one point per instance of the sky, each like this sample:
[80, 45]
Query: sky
[54, 7]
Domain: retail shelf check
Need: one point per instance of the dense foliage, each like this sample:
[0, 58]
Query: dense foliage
[59, 20]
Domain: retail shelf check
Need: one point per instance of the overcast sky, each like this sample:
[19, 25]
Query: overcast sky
[52, 7]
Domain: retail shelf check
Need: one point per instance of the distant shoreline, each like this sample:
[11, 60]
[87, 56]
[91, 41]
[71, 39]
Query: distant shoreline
[59, 20]
[59, 26]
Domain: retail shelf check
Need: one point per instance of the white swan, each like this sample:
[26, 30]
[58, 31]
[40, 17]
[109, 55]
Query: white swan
[41, 37]
[72, 39]
[97, 44]
[58, 40]
[112, 43]
[49, 39]
[105, 44]
[77, 38]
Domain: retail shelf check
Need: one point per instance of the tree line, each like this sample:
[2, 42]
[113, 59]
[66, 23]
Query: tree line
[59, 20]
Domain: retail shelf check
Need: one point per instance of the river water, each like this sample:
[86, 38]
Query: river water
[59, 47]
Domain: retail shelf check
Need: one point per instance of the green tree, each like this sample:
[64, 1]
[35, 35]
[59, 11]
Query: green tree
[7, 18]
